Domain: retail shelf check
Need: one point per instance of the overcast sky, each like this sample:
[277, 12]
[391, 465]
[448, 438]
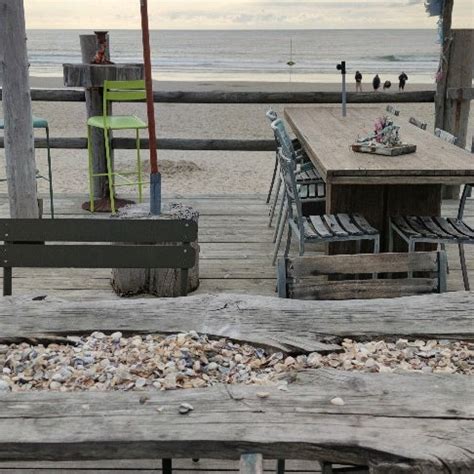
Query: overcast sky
[236, 14]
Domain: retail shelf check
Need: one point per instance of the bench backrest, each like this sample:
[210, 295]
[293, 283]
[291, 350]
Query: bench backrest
[86, 243]
[307, 277]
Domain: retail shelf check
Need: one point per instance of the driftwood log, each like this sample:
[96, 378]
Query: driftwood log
[164, 282]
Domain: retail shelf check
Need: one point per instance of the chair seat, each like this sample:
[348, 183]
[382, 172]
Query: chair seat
[433, 228]
[117, 122]
[337, 226]
[37, 123]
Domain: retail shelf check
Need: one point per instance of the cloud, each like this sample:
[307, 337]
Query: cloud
[243, 14]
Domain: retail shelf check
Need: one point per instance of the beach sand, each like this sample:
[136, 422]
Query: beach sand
[187, 172]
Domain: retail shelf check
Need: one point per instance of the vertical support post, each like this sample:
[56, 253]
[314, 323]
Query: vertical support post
[251, 464]
[19, 141]
[7, 281]
[461, 63]
[280, 466]
[94, 105]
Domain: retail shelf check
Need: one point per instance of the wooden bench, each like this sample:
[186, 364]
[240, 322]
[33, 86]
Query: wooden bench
[96, 243]
[306, 277]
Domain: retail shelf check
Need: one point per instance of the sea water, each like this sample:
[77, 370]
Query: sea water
[257, 55]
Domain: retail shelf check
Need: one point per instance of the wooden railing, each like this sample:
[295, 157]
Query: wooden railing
[218, 97]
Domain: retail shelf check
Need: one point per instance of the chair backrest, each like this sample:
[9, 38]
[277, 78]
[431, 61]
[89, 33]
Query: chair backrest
[123, 91]
[69, 244]
[271, 115]
[418, 123]
[446, 136]
[283, 139]
[307, 277]
[290, 187]
[392, 110]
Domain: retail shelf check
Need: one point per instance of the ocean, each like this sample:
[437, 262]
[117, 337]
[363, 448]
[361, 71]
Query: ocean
[262, 55]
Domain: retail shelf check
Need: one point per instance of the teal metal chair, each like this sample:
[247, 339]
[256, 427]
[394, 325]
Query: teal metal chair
[117, 91]
[41, 123]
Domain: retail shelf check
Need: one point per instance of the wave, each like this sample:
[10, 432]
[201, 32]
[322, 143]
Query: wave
[392, 58]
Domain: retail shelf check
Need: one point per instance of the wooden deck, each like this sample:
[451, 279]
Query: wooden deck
[236, 246]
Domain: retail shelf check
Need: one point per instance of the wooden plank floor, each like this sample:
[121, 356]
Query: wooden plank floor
[236, 247]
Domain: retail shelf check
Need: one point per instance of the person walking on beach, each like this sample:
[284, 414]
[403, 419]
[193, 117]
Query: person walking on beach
[376, 82]
[403, 78]
[358, 79]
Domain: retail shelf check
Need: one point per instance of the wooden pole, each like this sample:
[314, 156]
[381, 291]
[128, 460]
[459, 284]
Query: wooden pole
[461, 64]
[442, 78]
[94, 106]
[19, 141]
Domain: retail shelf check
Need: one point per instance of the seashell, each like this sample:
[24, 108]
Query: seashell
[263, 394]
[338, 401]
[185, 408]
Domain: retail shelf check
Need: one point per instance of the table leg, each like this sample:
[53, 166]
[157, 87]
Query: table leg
[377, 203]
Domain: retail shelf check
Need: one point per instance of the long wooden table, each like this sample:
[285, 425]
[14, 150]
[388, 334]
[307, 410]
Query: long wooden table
[377, 186]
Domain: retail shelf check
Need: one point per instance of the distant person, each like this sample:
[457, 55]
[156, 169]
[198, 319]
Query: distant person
[358, 79]
[387, 85]
[403, 78]
[376, 82]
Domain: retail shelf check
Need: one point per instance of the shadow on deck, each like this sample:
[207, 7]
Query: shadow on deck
[236, 247]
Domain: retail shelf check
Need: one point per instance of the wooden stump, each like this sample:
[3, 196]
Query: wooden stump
[164, 282]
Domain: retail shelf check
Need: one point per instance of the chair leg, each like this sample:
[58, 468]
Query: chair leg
[280, 466]
[280, 215]
[91, 169]
[275, 201]
[50, 175]
[411, 248]
[280, 234]
[443, 248]
[465, 275]
[288, 241]
[139, 169]
[110, 176]
[275, 169]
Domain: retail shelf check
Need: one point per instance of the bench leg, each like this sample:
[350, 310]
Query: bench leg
[7, 281]
[167, 466]
[184, 281]
[280, 466]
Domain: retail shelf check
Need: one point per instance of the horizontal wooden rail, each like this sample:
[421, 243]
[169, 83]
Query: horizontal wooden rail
[163, 144]
[222, 97]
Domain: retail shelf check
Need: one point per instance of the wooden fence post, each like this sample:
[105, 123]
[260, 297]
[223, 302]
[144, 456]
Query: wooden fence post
[19, 141]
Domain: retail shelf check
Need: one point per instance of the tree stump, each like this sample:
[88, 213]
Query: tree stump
[163, 282]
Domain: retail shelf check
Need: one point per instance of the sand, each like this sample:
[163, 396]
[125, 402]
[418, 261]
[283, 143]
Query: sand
[189, 172]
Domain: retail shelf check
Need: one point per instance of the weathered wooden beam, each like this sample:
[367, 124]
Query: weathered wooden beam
[218, 97]
[75, 143]
[270, 321]
[423, 423]
[19, 149]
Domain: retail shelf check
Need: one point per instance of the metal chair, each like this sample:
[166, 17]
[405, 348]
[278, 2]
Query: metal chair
[272, 116]
[310, 229]
[436, 230]
[418, 123]
[392, 110]
[41, 123]
[446, 136]
[123, 91]
[312, 185]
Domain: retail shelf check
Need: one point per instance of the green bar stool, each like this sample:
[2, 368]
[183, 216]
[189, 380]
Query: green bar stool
[42, 124]
[118, 91]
